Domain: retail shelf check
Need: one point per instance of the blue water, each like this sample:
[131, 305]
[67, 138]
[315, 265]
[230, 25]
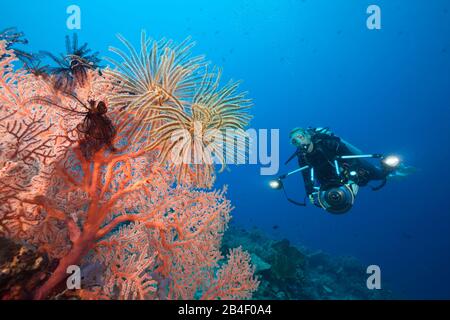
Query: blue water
[315, 63]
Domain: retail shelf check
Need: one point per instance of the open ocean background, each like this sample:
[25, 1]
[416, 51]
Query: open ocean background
[314, 63]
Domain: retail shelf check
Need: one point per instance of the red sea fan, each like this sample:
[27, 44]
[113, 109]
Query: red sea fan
[29, 145]
[123, 210]
[234, 281]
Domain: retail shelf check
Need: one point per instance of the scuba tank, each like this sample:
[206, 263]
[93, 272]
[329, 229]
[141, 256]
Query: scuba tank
[327, 131]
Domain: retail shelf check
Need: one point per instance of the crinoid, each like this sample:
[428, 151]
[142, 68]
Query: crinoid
[177, 107]
[158, 79]
[12, 38]
[210, 132]
[73, 66]
[96, 130]
[33, 63]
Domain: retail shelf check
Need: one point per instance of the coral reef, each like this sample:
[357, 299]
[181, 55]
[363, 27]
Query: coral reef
[22, 270]
[80, 185]
[289, 272]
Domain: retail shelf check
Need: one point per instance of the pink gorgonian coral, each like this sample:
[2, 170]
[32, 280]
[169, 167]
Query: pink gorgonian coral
[120, 211]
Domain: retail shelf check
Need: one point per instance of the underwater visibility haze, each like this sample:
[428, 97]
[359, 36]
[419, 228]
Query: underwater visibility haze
[86, 139]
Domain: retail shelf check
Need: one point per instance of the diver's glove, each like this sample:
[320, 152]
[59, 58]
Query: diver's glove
[311, 199]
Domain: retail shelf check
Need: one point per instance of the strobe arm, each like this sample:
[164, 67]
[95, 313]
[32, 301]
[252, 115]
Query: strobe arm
[361, 156]
[284, 176]
[356, 156]
[278, 185]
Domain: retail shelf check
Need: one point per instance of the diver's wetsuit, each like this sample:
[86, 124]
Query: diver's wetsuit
[321, 158]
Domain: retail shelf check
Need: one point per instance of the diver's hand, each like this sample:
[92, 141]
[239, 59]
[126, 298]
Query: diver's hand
[311, 199]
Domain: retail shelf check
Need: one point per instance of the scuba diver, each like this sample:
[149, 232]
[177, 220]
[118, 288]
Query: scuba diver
[333, 170]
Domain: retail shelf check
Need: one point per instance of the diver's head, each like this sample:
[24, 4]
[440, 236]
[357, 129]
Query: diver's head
[301, 138]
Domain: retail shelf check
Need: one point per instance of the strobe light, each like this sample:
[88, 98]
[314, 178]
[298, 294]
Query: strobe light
[276, 184]
[391, 162]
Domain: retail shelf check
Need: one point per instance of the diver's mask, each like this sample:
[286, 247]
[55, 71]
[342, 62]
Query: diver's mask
[301, 141]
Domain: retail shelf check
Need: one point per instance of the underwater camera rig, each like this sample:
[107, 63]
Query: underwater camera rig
[337, 196]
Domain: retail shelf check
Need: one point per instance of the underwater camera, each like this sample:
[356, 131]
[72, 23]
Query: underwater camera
[336, 198]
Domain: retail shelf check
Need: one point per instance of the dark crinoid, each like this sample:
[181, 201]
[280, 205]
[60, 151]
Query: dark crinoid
[12, 38]
[33, 63]
[97, 130]
[72, 67]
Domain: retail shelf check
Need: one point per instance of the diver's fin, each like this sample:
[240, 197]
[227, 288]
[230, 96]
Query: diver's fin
[401, 172]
